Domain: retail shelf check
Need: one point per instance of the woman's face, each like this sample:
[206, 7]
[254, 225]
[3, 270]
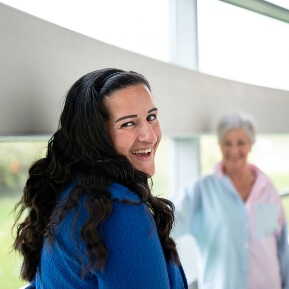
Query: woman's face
[133, 126]
[235, 147]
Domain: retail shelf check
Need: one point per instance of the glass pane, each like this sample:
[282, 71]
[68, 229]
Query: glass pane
[270, 153]
[162, 171]
[139, 26]
[15, 159]
[252, 51]
[280, 3]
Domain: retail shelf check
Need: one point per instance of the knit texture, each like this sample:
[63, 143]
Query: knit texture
[135, 260]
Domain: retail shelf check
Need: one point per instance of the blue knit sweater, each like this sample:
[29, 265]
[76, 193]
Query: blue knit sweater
[135, 260]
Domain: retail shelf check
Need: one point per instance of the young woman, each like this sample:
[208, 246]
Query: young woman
[92, 221]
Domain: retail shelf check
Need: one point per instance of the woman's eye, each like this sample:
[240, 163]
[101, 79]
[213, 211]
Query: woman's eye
[127, 124]
[151, 117]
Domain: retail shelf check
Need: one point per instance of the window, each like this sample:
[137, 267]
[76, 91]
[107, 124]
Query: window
[16, 157]
[139, 26]
[254, 51]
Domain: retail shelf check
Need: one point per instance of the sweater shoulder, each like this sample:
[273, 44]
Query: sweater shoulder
[121, 192]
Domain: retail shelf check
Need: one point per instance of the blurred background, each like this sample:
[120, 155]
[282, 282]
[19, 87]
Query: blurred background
[210, 37]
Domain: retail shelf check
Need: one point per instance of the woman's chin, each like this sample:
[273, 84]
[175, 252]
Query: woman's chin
[149, 171]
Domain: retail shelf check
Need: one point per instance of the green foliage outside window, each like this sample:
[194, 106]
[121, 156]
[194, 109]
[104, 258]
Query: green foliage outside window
[15, 159]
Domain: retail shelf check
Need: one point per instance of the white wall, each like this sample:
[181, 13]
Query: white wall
[39, 61]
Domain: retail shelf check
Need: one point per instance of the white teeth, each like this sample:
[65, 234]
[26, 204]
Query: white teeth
[142, 151]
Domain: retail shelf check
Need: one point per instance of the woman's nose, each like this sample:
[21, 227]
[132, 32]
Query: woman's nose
[234, 149]
[147, 134]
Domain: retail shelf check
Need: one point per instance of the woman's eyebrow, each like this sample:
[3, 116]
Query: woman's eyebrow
[134, 115]
[153, 109]
[124, 117]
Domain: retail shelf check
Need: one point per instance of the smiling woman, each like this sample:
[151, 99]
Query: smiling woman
[236, 137]
[133, 126]
[243, 216]
[88, 201]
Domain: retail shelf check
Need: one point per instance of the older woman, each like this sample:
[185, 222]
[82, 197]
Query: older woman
[92, 221]
[236, 217]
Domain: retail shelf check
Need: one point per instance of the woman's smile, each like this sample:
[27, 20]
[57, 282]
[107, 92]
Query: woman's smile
[134, 127]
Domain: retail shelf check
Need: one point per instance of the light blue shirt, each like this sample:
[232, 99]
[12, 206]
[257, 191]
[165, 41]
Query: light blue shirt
[241, 245]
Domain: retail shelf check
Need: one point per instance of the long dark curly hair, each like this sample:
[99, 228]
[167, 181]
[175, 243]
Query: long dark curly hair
[81, 151]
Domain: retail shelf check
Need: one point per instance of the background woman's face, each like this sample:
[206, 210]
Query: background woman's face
[235, 147]
[133, 126]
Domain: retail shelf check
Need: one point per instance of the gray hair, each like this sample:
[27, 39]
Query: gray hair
[238, 120]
